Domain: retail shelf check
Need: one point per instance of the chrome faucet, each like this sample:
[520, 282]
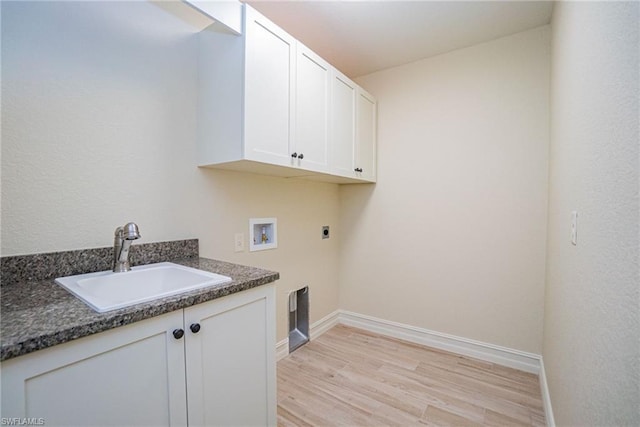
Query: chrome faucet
[124, 236]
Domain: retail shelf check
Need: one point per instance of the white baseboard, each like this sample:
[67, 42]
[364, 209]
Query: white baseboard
[546, 397]
[282, 349]
[521, 360]
[504, 356]
[516, 359]
[323, 325]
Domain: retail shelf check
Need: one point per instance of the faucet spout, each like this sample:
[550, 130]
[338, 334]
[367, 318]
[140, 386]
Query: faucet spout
[123, 238]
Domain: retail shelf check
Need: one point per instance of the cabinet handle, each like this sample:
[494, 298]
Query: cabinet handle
[178, 333]
[301, 156]
[195, 327]
[358, 169]
[294, 155]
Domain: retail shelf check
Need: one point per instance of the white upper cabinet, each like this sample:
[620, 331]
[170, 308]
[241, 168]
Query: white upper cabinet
[225, 15]
[343, 120]
[313, 84]
[366, 112]
[352, 148]
[267, 104]
[269, 91]
[246, 95]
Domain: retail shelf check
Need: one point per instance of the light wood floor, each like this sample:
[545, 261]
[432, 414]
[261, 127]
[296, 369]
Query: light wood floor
[352, 377]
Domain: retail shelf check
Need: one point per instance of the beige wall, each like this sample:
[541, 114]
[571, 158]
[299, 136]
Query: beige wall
[229, 199]
[98, 128]
[592, 325]
[452, 238]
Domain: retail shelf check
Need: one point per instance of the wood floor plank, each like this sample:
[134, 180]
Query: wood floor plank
[310, 398]
[357, 347]
[334, 386]
[287, 419]
[438, 397]
[487, 394]
[495, 378]
[351, 377]
[439, 417]
[383, 390]
[496, 419]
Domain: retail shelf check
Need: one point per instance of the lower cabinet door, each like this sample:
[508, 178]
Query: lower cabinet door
[230, 359]
[133, 375]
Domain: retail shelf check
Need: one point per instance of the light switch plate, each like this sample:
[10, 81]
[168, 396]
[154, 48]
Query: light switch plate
[239, 242]
[574, 228]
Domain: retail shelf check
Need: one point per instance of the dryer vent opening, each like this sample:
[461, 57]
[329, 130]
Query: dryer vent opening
[298, 318]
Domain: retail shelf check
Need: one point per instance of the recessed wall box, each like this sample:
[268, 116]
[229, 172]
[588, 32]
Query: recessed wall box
[298, 318]
[263, 234]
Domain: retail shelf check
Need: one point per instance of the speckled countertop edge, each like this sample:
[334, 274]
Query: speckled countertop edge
[38, 314]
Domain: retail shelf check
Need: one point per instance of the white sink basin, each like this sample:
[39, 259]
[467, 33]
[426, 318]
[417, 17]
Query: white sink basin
[105, 290]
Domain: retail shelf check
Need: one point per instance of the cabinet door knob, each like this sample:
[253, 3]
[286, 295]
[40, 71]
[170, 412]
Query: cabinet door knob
[178, 333]
[301, 156]
[294, 155]
[195, 327]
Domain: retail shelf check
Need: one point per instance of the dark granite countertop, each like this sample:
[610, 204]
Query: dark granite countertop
[37, 314]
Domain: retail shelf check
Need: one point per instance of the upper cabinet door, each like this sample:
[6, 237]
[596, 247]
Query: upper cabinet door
[268, 92]
[343, 121]
[313, 84]
[365, 163]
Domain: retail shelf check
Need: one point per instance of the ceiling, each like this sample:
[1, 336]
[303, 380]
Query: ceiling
[361, 37]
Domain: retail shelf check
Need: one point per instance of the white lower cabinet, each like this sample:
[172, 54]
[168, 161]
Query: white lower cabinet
[231, 365]
[126, 376]
[220, 372]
